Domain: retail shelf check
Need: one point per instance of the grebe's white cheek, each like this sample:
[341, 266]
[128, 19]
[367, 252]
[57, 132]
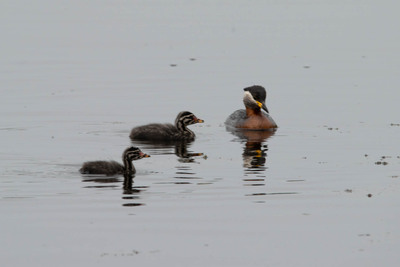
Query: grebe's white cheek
[248, 98]
[247, 95]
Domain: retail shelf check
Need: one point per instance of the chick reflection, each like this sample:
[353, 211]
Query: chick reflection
[183, 154]
[131, 193]
[180, 149]
[184, 172]
[101, 181]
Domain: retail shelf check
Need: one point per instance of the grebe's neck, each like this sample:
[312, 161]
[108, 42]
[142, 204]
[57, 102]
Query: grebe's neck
[128, 166]
[253, 112]
[183, 129]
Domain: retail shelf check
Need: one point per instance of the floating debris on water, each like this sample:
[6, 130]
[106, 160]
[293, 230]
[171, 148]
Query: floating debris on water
[364, 235]
[383, 160]
[331, 128]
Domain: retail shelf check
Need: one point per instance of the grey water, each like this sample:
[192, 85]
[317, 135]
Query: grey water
[323, 190]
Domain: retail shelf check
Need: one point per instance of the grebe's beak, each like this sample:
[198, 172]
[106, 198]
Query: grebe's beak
[197, 120]
[263, 106]
[143, 155]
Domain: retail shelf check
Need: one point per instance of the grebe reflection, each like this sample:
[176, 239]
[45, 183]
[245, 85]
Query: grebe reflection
[255, 148]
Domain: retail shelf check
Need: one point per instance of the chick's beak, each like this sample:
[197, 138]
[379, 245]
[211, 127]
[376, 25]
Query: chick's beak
[197, 120]
[143, 155]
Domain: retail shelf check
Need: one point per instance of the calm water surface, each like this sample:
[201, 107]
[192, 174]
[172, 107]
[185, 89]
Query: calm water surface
[321, 191]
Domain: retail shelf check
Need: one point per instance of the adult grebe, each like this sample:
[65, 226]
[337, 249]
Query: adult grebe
[252, 117]
[167, 132]
[113, 167]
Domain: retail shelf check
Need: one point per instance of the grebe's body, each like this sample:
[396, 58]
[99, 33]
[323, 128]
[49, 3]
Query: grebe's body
[113, 167]
[255, 116]
[251, 119]
[167, 132]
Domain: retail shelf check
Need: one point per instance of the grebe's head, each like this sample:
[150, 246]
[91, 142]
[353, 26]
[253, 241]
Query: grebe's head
[134, 153]
[187, 118]
[255, 94]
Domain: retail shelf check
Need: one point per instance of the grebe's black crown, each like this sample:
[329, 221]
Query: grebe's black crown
[258, 92]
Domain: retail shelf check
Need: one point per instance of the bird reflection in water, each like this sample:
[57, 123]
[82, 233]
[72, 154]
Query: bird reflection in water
[181, 149]
[131, 193]
[183, 154]
[255, 149]
[101, 181]
[254, 158]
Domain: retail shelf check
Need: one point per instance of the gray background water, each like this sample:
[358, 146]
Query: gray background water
[76, 76]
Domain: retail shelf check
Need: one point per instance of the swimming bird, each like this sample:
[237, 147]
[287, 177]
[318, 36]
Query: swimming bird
[252, 117]
[113, 167]
[167, 132]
